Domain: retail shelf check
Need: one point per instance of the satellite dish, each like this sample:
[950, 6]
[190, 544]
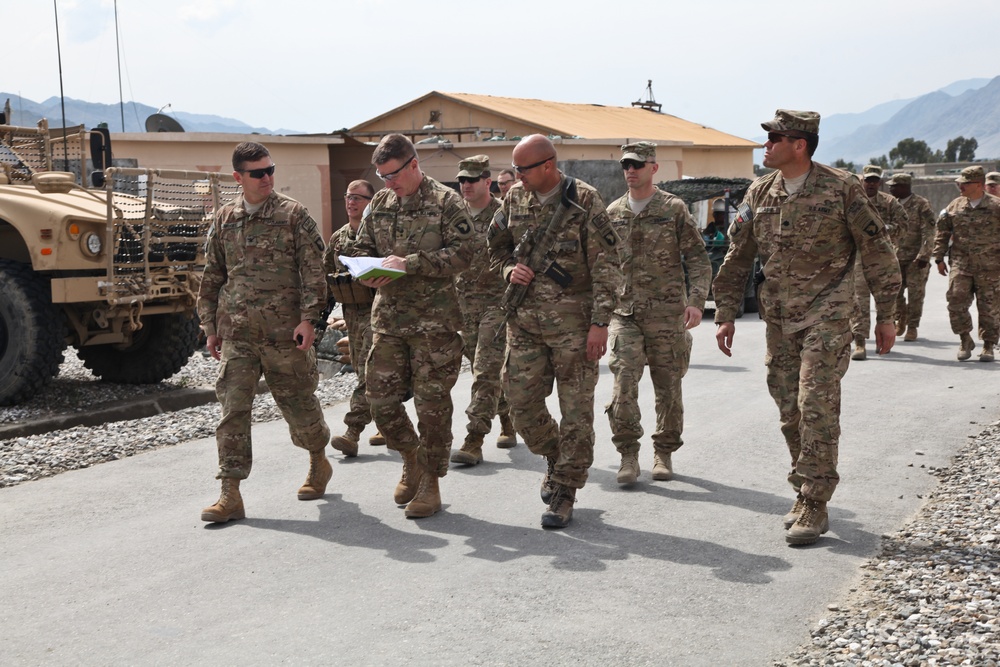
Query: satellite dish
[161, 122]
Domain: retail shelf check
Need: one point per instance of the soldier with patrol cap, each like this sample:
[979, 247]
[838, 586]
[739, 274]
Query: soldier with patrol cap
[479, 294]
[655, 309]
[559, 331]
[993, 183]
[968, 231]
[914, 239]
[893, 216]
[806, 222]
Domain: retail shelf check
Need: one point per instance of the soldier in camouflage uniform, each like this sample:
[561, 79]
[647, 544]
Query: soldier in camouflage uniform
[893, 217]
[505, 181]
[968, 231]
[479, 293]
[993, 183]
[559, 332]
[261, 297]
[654, 311]
[806, 222]
[421, 227]
[356, 304]
[914, 239]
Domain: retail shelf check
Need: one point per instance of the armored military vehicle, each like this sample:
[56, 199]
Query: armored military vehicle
[105, 259]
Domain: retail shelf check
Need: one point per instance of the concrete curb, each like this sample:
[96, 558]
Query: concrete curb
[145, 406]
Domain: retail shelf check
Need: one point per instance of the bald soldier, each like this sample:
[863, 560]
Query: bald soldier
[655, 310]
[968, 232]
[479, 293]
[914, 240]
[552, 239]
[806, 222]
[893, 216]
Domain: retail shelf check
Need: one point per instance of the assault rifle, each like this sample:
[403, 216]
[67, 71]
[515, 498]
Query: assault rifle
[535, 251]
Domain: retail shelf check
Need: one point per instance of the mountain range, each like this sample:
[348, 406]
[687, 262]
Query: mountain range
[27, 113]
[968, 108]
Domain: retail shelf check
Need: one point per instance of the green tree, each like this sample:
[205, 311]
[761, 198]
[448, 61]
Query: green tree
[911, 151]
[961, 149]
[881, 161]
[840, 163]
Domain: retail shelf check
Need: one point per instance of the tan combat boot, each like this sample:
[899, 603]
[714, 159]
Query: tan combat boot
[471, 452]
[796, 510]
[428, 499]
[812, 522]
[987, 353]
[965, 347]
[408, 483]
[900, 327]
[911, 334]
[628, 473]
[229, 506]
[560, 510]
[347, 444]
[377, 440]
[508, 436]
[548, 486]
[859, 353]
[320, 472]
[663, 467]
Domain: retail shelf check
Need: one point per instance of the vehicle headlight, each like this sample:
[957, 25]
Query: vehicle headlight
[92, 243]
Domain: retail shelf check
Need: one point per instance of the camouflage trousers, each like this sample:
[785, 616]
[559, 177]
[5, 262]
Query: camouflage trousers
[804, 370]
[634, 342]
[430, 364]
[984, 286]
[291, 377]
[910, 302]
[359, 340]
[861, 322]
[480, 324]
[536, 359]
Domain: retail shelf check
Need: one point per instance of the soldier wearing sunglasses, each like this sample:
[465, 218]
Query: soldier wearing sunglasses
[262, 293]
[806, 222]
[479, 294]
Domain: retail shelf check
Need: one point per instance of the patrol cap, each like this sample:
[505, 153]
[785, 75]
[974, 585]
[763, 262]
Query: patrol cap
[901, 179]
[640, 151]
[971, 175]
[787, 120]
[474, 167]
[871, 171]
[993, 178]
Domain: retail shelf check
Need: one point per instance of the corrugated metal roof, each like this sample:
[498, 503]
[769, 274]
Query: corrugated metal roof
[594, 121]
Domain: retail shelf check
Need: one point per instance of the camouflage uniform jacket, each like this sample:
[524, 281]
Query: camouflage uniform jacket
[339, 240]
[433, 232]
[891, 211]
[263, 273]
[477, 281]
[914, 239]
[586, 247]
[974, 234]
[654, 244]
[807, 244]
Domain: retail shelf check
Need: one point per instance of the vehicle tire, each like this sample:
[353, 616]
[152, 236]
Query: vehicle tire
[158, 350]
[31, 333]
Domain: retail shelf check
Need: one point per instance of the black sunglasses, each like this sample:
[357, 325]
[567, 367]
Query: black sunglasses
[394, 173]
[260, 173]
[635, 164]
[776, 137]
[521, 170]
[469, 179]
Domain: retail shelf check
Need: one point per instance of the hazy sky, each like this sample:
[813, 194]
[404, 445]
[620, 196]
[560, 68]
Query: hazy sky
[320, 65]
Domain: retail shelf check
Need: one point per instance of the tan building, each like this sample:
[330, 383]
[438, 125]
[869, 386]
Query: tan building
[315, 169]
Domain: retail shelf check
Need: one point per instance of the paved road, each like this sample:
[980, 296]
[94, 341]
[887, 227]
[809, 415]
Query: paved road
[111, 565]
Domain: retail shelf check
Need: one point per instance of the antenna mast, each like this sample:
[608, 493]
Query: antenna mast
[649, 104]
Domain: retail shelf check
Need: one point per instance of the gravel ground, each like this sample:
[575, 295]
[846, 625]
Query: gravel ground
[930, 597]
